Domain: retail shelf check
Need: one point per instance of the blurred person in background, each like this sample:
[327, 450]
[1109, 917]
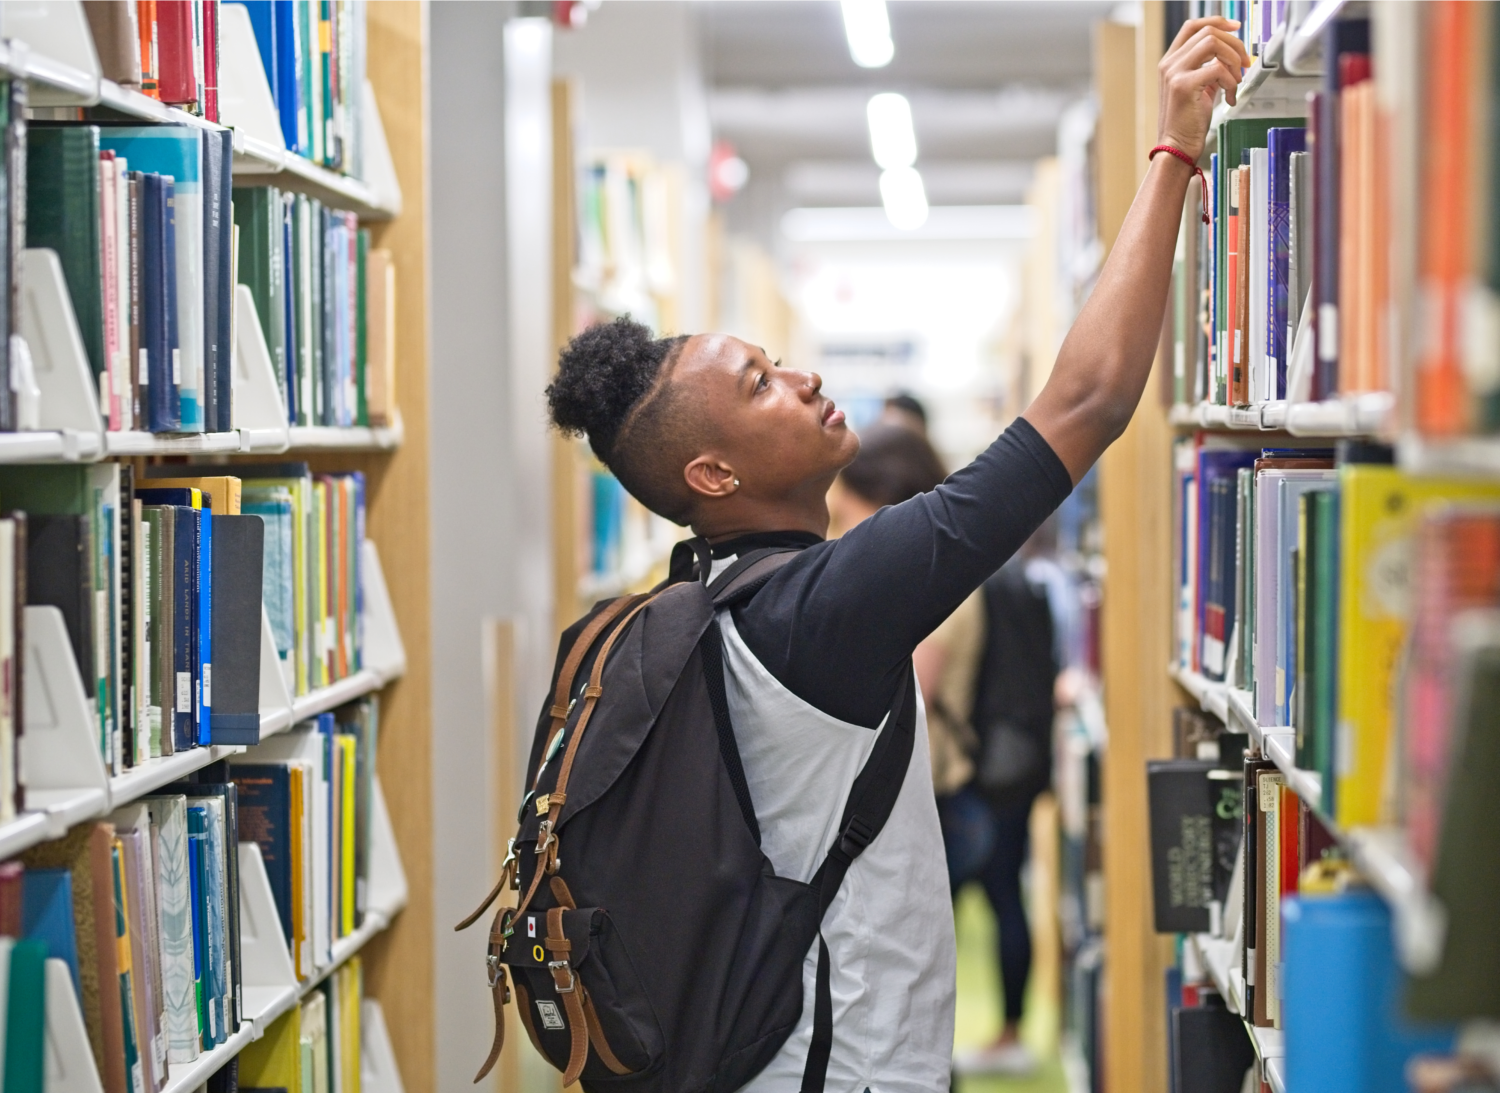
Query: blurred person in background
[904, 409]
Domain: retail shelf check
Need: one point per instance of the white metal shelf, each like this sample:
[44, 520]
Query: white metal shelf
[1365, 415]
[186, 1077]
[71, 447]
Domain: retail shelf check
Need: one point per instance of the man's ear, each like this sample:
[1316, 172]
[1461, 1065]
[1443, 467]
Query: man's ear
[710, 477]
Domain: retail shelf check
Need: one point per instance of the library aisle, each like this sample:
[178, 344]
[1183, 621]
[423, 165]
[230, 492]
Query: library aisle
[287, 542]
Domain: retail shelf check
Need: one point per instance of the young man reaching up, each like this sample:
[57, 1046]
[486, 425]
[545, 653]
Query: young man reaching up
[708, 432]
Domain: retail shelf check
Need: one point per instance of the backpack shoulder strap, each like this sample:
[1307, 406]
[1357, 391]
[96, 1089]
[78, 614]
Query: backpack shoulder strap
[869, 806]
[748, 575]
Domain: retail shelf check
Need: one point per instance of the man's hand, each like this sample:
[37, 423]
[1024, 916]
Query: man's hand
[1205, 58]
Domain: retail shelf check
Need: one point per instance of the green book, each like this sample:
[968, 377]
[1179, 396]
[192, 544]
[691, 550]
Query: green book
[1323, 554]
[1466, 874]
[257, 213]
[361, 321]
[127, 985]
[26, 1018]
[62, 213]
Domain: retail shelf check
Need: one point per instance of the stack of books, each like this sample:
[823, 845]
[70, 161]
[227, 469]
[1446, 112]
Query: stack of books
[315, 1047]
[326, 304]
[305, 799]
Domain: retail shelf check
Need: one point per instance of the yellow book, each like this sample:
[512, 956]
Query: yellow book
[347, 785]
[301, 954]
[275, 1060]
[350, 985]
[315, 1042]
[223, 491]
[1379, 511]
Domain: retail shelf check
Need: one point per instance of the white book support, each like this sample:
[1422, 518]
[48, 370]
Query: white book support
[275, 694]
[378, 1072]
[383, 651]
[61, 765]
[388, 888]
[380, 169]
[245, 102]
[270, 981]
[69, 401]
[58, 36]
[259, 413]
[70, 1060]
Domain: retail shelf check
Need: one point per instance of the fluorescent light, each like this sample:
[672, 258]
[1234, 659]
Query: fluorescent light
[904, 198]
[868, 28]
[892, 138]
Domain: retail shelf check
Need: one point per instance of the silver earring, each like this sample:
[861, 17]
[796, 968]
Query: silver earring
[736, 483]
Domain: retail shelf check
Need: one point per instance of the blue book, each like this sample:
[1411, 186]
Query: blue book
[172, 364]
[177, 150]
[288, 89]
[1213, 466]
[197, 817]
[1281, 142]
[47, 916]
[163, 413]
[265, 792]
[205, 621]
[1342, 998]
[277, 593]
[216, 989]
[263, 22]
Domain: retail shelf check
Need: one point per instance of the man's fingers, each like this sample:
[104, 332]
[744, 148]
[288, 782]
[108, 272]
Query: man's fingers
[1202, 52]
[1193, 26]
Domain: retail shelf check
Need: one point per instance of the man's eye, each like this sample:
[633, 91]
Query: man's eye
[762, 383]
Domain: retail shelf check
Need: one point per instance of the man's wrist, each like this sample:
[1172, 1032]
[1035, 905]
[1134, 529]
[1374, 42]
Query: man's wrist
[1190, 148]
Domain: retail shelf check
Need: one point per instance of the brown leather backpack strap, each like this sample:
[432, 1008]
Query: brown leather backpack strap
[580, 649]
[564, 897]
[570, 990]
[499, 993]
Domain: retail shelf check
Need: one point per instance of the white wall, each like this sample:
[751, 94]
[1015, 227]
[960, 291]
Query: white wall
[491, 496]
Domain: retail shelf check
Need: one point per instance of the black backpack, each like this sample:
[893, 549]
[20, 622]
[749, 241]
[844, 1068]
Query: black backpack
[653, 946]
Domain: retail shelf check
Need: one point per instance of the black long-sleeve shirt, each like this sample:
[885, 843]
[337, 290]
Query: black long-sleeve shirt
[838, 623]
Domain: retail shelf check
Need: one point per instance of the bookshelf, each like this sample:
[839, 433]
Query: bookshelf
[1371, 815]
[615, 251]
[67, 781]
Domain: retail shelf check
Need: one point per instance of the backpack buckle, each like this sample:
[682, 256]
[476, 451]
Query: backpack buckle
[545, 838]
[493, 966]
[856, 837]
[556, 966]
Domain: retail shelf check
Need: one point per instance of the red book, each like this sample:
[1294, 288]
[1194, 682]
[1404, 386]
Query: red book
[211, 59]
[11, 878]
[174, 52]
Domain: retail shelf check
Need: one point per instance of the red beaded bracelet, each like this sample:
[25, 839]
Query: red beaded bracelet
[1178, 153]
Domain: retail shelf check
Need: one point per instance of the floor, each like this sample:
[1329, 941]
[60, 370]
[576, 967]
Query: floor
[979, 1005]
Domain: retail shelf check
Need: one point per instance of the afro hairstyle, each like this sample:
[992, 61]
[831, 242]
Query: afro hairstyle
[609, 389]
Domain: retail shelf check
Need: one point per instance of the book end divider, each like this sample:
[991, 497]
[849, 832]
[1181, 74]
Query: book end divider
[378, 1072]
[62, 50]
[384, 652]
[245, 102]
[70, 1060]
[268, 977]
[69, 403]
[259, 413]
[62, 765]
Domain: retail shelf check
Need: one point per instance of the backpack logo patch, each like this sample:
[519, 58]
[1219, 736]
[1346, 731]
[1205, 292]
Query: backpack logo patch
[530, 926]
[551, 1018]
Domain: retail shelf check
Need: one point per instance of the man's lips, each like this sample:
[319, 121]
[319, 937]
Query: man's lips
[832, 415]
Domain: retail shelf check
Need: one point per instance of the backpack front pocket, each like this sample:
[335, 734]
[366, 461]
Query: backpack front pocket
[583, 992]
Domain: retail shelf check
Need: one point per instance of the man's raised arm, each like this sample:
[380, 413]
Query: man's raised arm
[1105, 360]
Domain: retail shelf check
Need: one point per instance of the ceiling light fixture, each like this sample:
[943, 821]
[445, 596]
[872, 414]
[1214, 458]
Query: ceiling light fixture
[868, 28]
[893, 140]
[904, 197]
